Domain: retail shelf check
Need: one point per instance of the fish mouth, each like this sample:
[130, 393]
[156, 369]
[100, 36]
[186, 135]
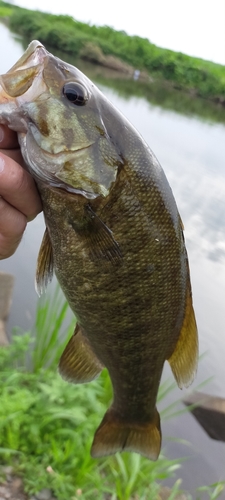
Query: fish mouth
[33, 55]
[24, 92]
[23, 80]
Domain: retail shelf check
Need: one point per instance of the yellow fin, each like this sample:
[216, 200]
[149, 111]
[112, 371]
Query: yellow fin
[184, 359]
[115, 434]
[78, 363]
[181, 223]
[44, 270]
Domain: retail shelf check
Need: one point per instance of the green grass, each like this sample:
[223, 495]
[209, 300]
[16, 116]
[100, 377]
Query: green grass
[5, 11]
[46, 422]
[49, 332]
[47, 425]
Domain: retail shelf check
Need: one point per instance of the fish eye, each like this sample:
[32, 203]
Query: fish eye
[75, 93]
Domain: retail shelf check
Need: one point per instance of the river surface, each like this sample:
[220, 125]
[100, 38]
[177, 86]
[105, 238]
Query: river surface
[192, 153]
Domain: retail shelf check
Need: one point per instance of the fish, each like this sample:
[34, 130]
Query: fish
[114, 239]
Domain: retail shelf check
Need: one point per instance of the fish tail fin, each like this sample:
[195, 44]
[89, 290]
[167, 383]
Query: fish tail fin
[115, 434]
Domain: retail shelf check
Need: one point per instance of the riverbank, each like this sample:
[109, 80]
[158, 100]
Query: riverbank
[115, 49]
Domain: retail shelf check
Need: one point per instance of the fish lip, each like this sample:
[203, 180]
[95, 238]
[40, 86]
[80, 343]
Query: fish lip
[37, 52]
[34, 45]
[34, 54]
[28, 68]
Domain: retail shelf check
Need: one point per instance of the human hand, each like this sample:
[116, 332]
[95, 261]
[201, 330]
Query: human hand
[19, 198]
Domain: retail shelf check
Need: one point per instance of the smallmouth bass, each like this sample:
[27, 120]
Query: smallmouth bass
[114, 238]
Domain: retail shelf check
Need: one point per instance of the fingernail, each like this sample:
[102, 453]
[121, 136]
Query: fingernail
[2, 133]
[2, 164]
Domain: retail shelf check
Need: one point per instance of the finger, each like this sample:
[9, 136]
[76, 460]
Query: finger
[9, 144]
[12, 226]
[15, 154]
[18, 188]
[8, 138]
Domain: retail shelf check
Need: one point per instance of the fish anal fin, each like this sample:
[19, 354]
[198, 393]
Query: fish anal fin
[78, 363]
[45, 265]
[116, 435]
[184, 359]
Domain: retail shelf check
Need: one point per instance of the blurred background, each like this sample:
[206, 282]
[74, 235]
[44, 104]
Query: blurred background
[195, 28]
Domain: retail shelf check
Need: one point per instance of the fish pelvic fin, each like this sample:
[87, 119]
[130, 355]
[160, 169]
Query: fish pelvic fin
[45, 264]
[78, 363]
[184, 360]
[115, 434]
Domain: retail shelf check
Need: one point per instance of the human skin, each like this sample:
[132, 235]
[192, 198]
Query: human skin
[19, 198]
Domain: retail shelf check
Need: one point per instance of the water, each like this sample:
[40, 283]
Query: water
[192, 152]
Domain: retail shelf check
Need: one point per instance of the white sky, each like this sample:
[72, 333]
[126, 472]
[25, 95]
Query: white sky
[195, 27]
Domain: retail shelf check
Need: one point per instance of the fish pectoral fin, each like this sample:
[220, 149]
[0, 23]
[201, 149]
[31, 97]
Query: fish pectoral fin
[102, 242]
[184, 359]
[78, 363]
[115, 434]
[45, 265]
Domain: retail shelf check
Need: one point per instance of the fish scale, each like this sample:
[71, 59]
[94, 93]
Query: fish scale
[114, 238]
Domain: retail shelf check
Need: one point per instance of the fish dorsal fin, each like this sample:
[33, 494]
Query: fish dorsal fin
[78, 362]
[184, 359]
[102, 242]
[45, 267]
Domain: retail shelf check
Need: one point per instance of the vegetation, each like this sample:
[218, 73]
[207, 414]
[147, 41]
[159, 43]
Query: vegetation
[47, 425]
[199, 77]
[46, 428]
[5, 11]
[158, 93]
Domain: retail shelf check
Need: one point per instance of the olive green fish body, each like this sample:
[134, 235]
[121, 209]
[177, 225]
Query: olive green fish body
[115, 240]
[131, 307]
